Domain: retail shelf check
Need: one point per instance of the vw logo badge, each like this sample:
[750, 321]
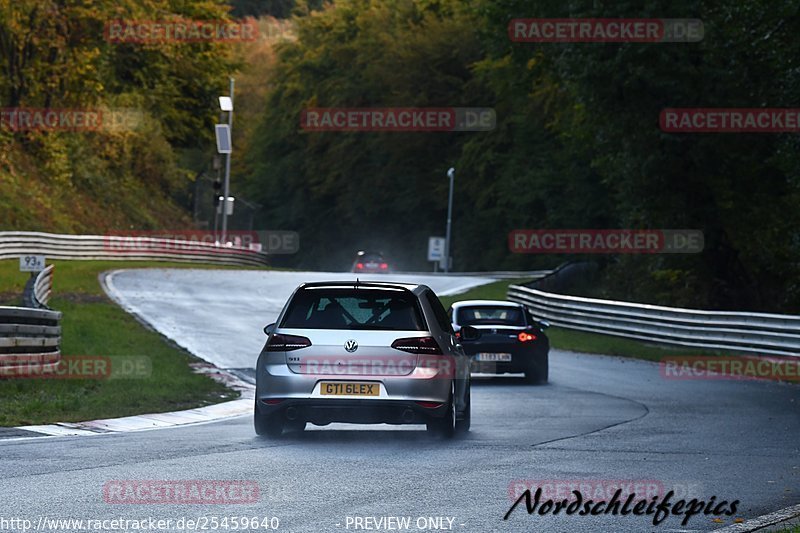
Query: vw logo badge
[351, 346]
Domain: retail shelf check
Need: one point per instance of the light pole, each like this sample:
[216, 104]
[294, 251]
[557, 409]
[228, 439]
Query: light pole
[450, 174]
[216, 164]
[226, 104]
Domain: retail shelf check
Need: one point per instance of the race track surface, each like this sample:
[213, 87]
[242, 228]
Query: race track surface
[601, 421]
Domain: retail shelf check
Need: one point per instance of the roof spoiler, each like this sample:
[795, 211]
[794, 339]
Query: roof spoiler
[357, 284]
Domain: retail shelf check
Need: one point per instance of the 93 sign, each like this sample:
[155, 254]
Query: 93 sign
[31, 263]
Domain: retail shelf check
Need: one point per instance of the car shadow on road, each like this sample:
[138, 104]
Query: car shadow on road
[502, 381]
[368, 436]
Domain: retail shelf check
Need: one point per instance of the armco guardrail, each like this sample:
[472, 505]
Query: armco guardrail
[761, 333]
[30, 337]
[509, 274]
[498, 274]
[57, 246]
[43, 286]
[38, 289]
[29, 340]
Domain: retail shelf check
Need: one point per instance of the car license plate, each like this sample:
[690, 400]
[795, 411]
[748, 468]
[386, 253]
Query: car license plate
[494, 357]
[349, 389]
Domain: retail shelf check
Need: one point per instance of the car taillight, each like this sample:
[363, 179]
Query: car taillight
[359, 265]
[286, 343]
[384, 266]
[458, 334]
[418, 345]
[524, 336]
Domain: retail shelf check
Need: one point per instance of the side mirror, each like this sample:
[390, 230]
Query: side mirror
[269, 328]
[468, 333]
[544, 324]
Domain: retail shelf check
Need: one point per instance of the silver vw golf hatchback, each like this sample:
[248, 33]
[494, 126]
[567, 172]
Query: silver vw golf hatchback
[362, 353]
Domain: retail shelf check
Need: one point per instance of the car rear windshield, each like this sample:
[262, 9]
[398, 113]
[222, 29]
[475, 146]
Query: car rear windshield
[478, 315]
[377, 309]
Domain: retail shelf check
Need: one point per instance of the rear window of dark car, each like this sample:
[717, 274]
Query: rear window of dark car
[354, 309]
[478, 315]
[371, 257]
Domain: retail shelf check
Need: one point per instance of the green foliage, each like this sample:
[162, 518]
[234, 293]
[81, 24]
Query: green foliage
[740, 189]
[55, 55]
[388, 191]
[276, 8]
[577, 142]
[254, 8]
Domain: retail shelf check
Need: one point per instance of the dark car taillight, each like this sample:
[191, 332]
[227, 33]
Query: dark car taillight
[384, 266]
[418, 345]
[524, 336]
[360, 266]
[286, 343]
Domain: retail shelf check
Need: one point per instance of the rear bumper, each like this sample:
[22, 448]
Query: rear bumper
[325, 411]
[480, 367]
[521, 360]
[275, 380]
[281, 391]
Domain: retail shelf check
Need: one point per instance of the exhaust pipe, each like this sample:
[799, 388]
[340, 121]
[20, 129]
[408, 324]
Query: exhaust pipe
[291, 413]
[408, 416]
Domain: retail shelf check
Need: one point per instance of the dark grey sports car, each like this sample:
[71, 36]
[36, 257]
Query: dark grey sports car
[511, 340]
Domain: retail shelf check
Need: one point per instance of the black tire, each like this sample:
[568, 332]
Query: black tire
[294, 426]
[444, 427]
[270, 426]
[544, 374]
[539, 374]
[462, 426]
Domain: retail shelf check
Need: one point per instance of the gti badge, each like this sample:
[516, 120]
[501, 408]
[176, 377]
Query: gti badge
[351, 346]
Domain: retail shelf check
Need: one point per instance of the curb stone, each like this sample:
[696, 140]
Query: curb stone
[782, 519]
[209, 413]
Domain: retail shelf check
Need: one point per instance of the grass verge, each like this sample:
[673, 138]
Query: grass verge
[93, 325]
[580, 341]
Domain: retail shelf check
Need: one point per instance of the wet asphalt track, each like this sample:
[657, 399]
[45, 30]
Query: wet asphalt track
[600, 418]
